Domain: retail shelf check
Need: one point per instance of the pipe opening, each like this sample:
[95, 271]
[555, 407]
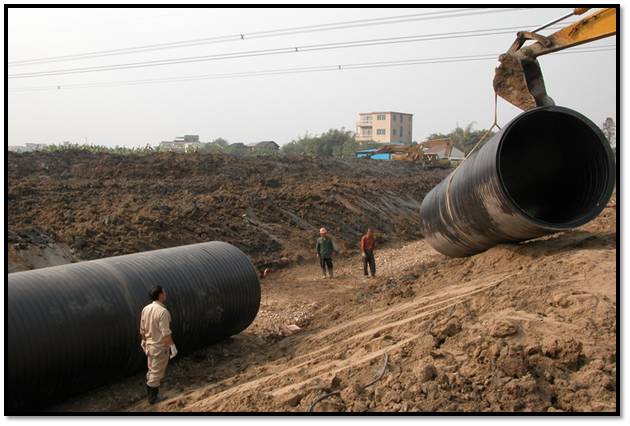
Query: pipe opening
[556, 168]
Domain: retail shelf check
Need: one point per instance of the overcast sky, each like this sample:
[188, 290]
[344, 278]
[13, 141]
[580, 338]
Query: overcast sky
[279, 107]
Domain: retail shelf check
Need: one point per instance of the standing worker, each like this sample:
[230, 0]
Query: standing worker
[156, 341]
[325, 248]
[367, 253]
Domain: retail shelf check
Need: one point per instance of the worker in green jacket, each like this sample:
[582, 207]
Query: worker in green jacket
[325, 248]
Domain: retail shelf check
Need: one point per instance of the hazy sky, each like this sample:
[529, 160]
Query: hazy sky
[280, 107]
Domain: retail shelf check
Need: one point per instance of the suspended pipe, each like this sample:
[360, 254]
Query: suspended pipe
[76, 326]
[550, 169]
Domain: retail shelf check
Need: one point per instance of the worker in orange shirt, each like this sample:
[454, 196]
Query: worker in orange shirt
[367, 253]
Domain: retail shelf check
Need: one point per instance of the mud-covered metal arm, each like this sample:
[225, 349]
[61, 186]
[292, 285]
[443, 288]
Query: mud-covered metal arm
[519, 79]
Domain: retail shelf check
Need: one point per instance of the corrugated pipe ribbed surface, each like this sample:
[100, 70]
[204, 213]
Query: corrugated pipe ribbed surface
[549, 169]
[76, 326]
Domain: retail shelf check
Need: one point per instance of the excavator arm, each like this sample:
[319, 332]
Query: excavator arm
[519, 79]
[404, 152]
[415, 153]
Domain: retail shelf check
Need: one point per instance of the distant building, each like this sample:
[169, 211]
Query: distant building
[171, 146]
[444, 148]
[237, 145]
[28, 147]
[384, 127]
[191, 138]
[187, 138]
[266, 146]
[186, 143]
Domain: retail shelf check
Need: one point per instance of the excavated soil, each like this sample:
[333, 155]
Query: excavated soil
[100, 205]
[520, 327]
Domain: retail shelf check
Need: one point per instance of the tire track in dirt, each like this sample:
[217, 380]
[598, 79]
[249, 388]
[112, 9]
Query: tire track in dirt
[333, 366]
[526, 327]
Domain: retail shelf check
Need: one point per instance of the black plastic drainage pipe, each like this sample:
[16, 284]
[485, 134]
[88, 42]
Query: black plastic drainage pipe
[76, 326]
[548, 170]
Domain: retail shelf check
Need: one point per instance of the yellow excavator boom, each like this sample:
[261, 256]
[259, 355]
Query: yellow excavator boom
[416, 152]
[593, 27]
[519, 80]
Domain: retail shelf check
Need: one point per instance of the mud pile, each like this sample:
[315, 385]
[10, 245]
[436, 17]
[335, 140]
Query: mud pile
[520, 327]
[105, 205]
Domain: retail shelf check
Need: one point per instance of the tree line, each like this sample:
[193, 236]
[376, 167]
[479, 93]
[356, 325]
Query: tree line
[334, 143]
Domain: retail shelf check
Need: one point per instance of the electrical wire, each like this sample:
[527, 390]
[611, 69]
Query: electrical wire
[265, 34]
[297, 70]
[277, 51]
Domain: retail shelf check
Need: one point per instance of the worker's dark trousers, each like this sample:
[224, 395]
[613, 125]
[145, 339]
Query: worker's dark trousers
[369, 258]
[326, 263]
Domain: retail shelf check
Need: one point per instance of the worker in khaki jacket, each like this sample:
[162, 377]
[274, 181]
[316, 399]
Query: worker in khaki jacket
[156, 341]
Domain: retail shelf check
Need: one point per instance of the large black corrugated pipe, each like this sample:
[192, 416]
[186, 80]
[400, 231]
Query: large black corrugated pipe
[549, 169]
[76, 326]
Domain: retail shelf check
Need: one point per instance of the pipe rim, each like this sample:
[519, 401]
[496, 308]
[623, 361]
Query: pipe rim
[604, 196]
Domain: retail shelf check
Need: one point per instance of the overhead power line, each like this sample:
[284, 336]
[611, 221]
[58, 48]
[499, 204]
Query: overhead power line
[276, 51]
[296, 70]
[265, 34]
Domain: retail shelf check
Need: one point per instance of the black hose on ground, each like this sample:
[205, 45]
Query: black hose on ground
[378, 377]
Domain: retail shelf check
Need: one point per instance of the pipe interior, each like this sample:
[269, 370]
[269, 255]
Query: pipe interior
[555, 168]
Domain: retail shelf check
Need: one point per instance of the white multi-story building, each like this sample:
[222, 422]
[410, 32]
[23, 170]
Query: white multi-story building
[384, 127]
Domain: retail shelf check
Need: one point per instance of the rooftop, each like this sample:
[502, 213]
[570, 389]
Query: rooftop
[384, 112]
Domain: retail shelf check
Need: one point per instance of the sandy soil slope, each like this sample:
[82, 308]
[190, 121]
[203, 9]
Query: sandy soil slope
[525, 327]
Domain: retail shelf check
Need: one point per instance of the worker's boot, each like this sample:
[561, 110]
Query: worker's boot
[150, 395]
[156, 396]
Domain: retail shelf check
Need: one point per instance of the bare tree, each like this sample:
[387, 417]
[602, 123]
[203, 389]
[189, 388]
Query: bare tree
[610, 131]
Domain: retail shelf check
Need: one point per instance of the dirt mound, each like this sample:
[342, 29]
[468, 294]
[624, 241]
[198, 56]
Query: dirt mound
[32, 248]
[103, 205]
[521, 327]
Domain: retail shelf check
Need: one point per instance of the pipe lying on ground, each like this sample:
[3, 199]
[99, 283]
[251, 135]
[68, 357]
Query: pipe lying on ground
[548, 170]
[76, 326]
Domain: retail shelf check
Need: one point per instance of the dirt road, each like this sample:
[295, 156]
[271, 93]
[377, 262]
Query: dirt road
[527, 327]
